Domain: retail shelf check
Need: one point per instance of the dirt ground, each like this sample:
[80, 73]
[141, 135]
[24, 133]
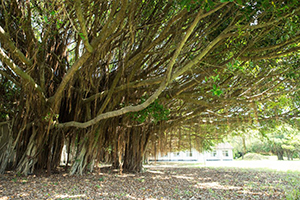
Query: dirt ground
[175, 181]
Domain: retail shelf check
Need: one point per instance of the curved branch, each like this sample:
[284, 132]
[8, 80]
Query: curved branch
[116, 112]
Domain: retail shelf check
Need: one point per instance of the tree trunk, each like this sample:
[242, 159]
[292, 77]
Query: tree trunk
[78, 165]
[244, 147]
[135, 149]
[280, 155]
[29, 158]
[114, 154]
[87, 153]
[6, 148]
[289, 155]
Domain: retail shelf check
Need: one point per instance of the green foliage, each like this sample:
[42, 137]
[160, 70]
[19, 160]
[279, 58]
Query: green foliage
[284, 137]
[260, 146]
[272, 138]
[154, 112]
[224, 1]
[51, 118]
[234, 66]
[206, 5]
[216, 90]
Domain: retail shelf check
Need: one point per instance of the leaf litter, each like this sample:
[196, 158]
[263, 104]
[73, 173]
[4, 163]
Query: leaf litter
[154, 183]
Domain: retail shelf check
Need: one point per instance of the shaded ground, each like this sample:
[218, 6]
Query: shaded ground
[157, 182]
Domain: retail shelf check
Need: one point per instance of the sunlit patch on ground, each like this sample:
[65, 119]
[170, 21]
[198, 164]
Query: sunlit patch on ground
[62, 196]
[216, 185]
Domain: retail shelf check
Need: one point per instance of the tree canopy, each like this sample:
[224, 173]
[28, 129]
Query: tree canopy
[108, 77]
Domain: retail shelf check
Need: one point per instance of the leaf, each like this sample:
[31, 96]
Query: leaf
[46, 19]
[81, 35]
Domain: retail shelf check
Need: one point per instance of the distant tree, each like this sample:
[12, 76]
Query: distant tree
[282, 140]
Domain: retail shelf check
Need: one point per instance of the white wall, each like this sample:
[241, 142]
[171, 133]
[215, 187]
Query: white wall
[217, 155]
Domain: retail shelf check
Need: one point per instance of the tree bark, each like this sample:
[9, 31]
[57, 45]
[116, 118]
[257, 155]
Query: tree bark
[5, 145]
[135, 149]
[280, 155]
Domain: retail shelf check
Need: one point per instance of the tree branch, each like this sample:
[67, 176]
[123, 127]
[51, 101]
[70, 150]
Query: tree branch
[3, 73]
[151, 99]
[12, 48]
[5, 59]
[81, 20]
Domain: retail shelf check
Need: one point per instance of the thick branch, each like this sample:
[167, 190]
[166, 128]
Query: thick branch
[200, 56]
[68, 77]
[116, 112]
[81, 20]
[12, 48]
[5, 59]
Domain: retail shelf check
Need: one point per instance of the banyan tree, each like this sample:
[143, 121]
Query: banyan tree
[107, 78]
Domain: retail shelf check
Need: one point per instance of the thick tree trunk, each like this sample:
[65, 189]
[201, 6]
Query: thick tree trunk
[87, 153]
[29, 158]
[6, 149]
[78, 165]
[135, 149]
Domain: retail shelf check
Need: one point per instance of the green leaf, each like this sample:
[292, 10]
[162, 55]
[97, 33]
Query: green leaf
[46, 19]
[81, 35]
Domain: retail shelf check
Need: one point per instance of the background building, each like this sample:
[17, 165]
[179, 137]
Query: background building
[220, 152]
